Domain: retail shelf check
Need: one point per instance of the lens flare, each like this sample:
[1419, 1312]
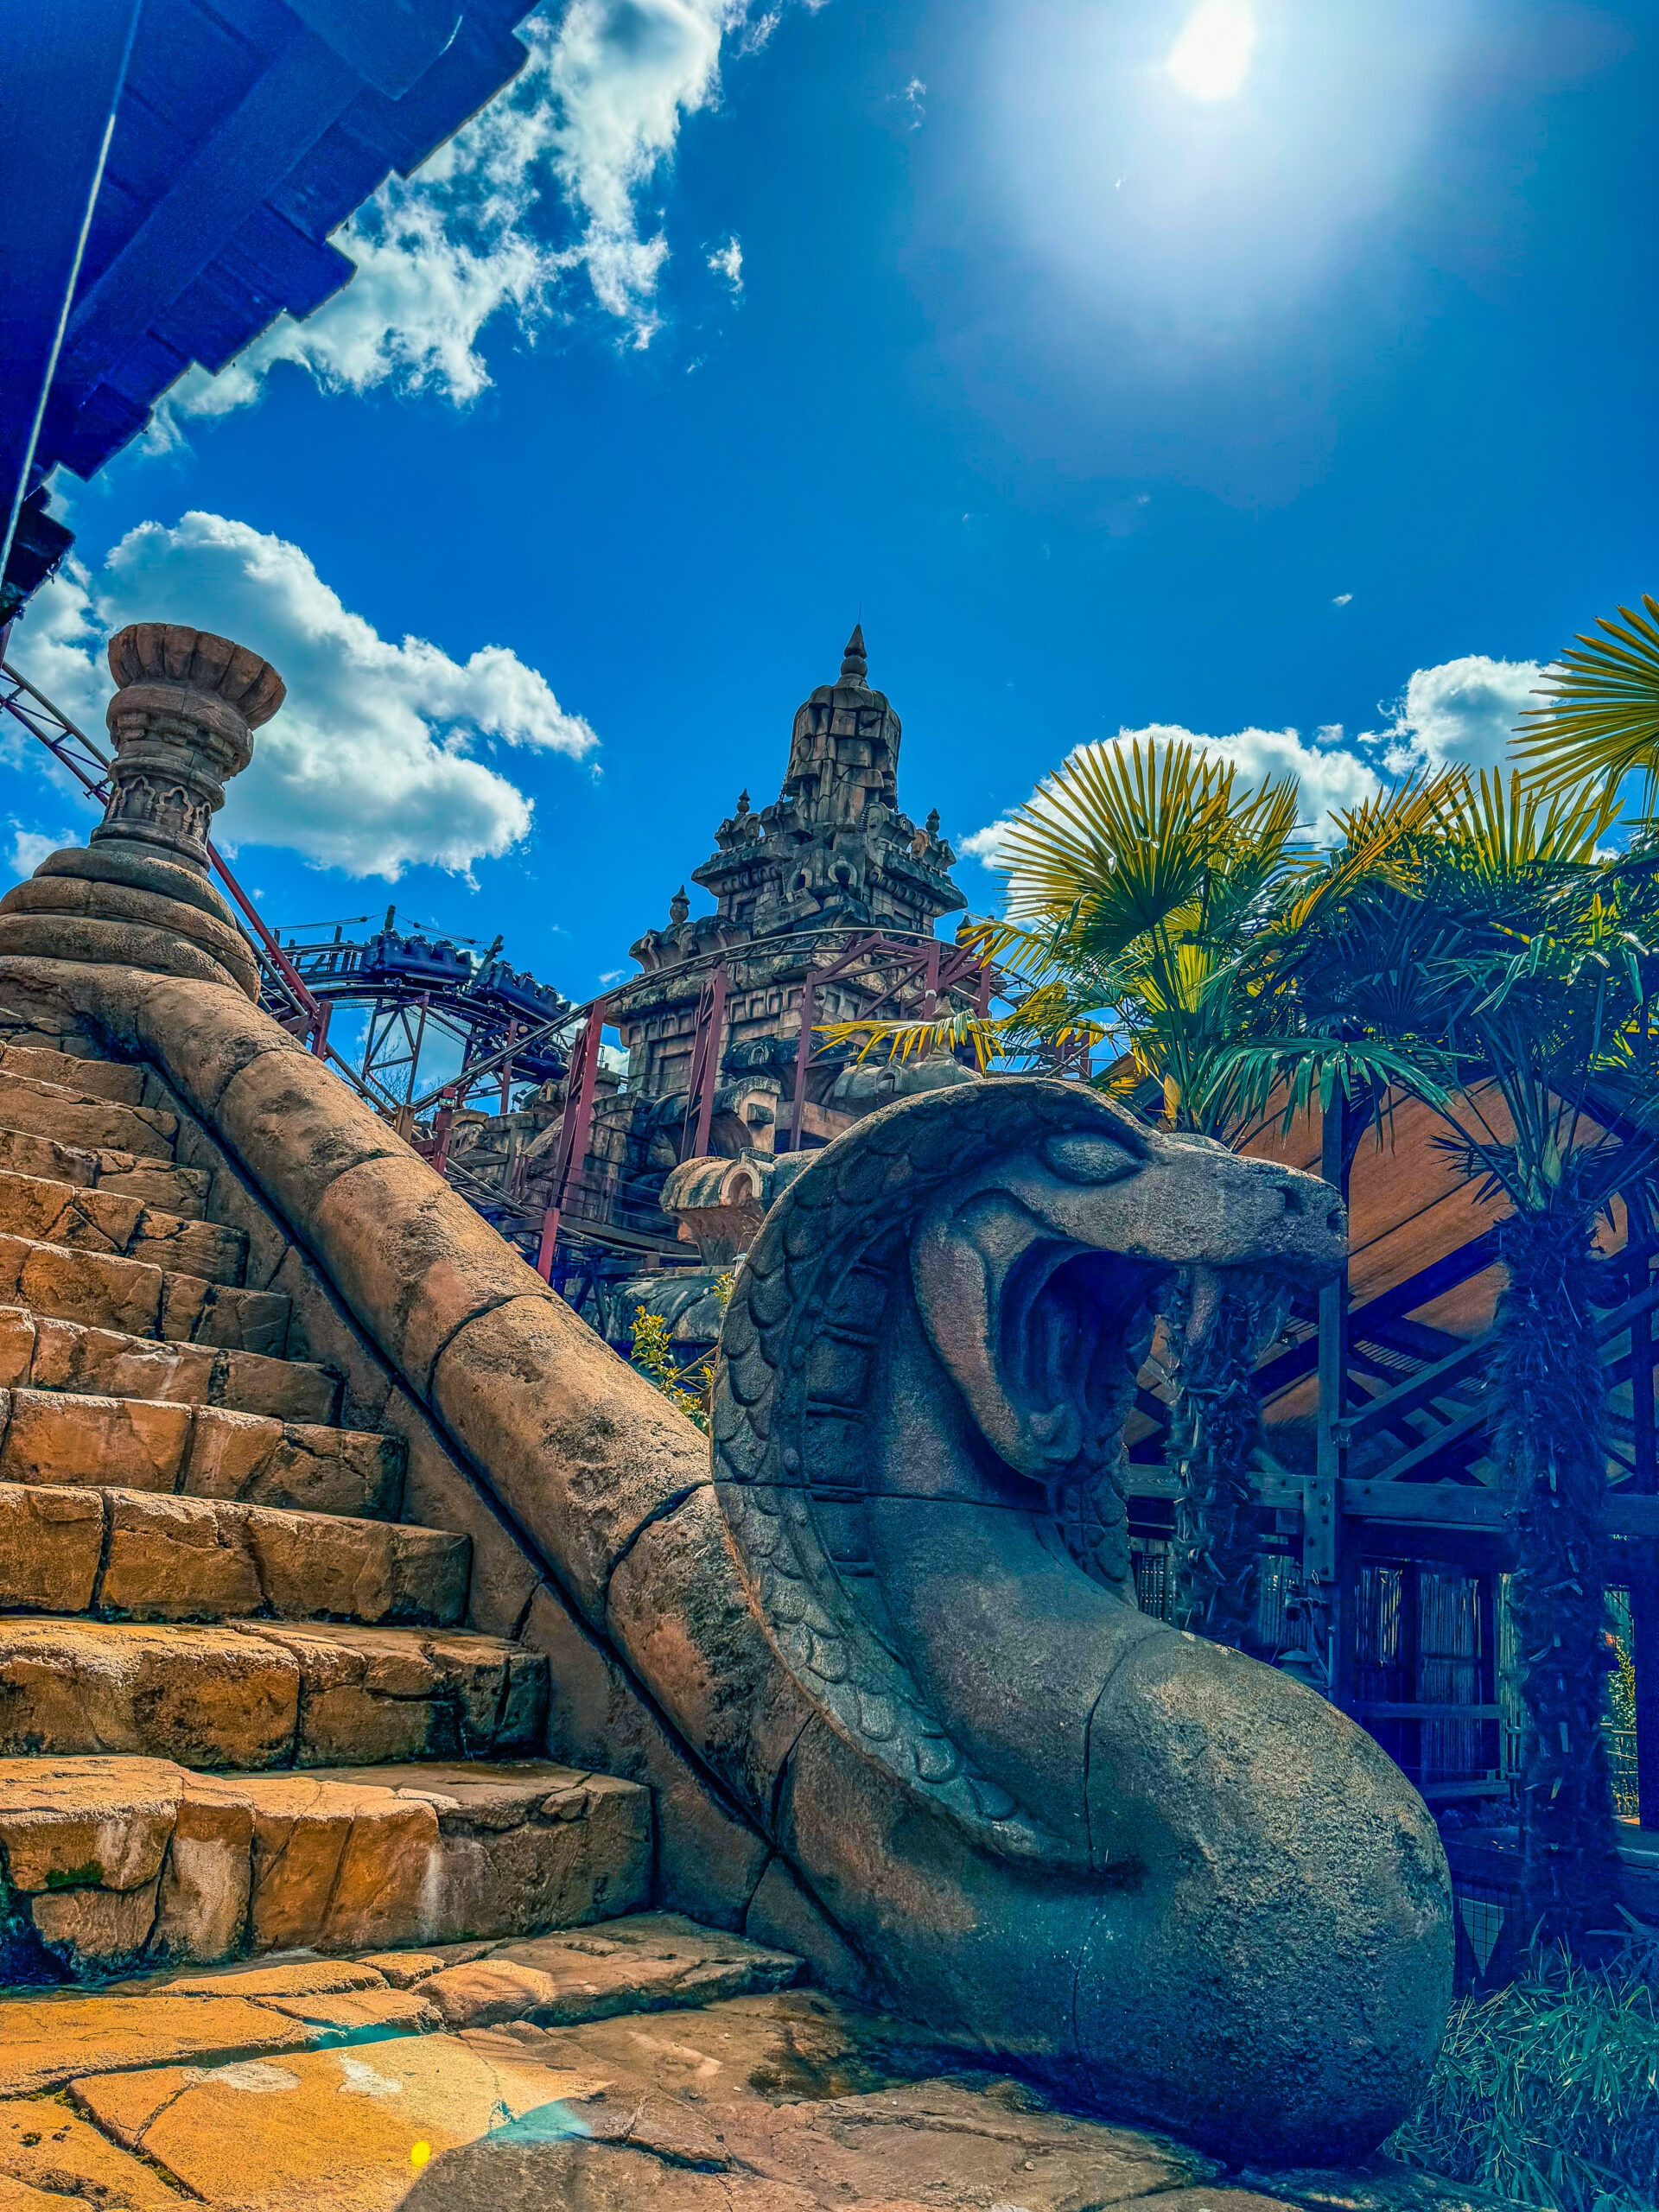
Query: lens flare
[1212, 58]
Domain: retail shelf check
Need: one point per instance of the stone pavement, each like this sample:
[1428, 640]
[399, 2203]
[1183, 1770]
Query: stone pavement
[642, 2063]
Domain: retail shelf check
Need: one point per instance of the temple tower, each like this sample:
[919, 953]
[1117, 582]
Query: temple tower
[830, 864]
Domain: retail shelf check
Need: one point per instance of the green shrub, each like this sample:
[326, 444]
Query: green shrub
[1548, 2092]
[691, 1388]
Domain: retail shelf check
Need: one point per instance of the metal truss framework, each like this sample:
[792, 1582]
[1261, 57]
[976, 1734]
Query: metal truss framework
[418, 995]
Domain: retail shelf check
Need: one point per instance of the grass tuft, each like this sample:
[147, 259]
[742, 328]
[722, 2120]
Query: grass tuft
[1547, 2093]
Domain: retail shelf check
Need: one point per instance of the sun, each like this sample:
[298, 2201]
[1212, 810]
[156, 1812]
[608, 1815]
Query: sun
[1212, 58]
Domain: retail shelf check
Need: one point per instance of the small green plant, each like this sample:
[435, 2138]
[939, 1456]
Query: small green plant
[690, 1388]
[1547, 2093]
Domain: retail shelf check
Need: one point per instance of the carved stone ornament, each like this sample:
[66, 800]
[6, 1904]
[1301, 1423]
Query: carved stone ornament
[1172, 1879]
[182, 722]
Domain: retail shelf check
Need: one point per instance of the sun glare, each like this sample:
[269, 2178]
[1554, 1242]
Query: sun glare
[1212, 58]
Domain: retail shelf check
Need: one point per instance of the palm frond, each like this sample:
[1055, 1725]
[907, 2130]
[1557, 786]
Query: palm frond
[1500, 832]
[1306, 1071]
[1378, 839]
[990, 1037]
[1600, 718]
[1123, 842]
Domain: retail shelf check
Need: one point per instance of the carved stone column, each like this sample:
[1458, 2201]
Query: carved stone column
[182, 722]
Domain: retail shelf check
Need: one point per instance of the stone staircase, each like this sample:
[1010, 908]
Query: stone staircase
[238, 1712]
[319, 1518]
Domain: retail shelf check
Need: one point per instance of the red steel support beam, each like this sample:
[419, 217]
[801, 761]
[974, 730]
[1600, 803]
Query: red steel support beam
[573, 1130]
[279, 960]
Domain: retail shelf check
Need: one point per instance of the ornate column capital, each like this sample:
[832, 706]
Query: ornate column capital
[183, 723]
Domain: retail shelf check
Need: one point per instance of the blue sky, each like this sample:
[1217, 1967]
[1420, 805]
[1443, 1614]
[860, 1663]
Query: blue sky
[1257, 368]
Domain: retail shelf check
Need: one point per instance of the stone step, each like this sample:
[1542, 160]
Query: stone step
[260, 1694]
[107, 1219]
[124, 1554]
[204, 1451]
[114, 1862]
[69, 1114]
[139, 1297]
[182, 1191]
[41, 1351]
[120, 1082]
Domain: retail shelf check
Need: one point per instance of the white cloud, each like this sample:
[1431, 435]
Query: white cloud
[726, 261]
[30, 846]
[1330, 776]
[757, 32]
[1343, 599]
[1459, 713]
[915, 97]
[369, 767]
[547, 181]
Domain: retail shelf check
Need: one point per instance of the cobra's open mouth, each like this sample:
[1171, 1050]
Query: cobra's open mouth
[1075, 1329]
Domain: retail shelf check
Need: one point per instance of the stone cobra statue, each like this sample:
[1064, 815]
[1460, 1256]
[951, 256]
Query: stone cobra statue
[1167, 1878]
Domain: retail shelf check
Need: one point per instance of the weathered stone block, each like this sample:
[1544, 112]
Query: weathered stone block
[330, 2127]
[103, 1820]
[47, 2040]
[328, 1855]
[51, 1110]
[314, 1564]
[91, 1930]
[114, 1442]
[207, 1697]
[586, 1856]
[202, 1911]
[94, 1287]
[22, 1154]
[181, 1191]
[46, 2145]
[375, 1694]
[301, 1464]
[60, 1213]
[123, 1084]
[50, 1541]
[178, 1559]
[193, 1312]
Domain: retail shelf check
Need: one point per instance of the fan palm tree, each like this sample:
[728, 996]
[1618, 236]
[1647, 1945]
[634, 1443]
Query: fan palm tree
[1151, 891]
[1508, 972]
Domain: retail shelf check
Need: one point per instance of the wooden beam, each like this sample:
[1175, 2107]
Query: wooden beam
[1321, 1493]
[1431, 1282]
[66, 68]
[1408, 1396]
[1471, 1418]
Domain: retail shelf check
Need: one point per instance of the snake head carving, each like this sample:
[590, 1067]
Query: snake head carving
[1172, 1879]
[1038, 1275]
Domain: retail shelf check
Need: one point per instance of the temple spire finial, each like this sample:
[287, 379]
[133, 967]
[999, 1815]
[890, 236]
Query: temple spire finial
[854, 665]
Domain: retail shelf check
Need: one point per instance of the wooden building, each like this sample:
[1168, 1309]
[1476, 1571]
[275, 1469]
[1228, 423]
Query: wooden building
[1385, 1550]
